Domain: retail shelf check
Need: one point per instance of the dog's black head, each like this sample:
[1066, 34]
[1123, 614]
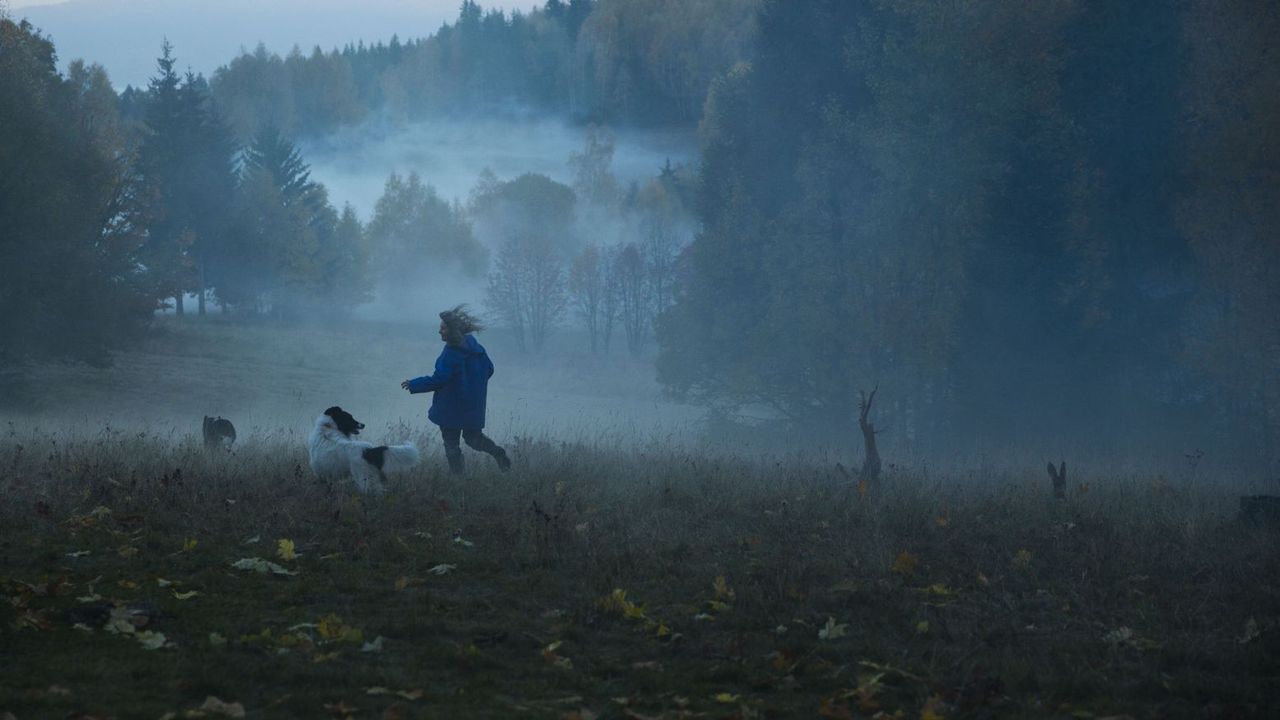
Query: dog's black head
[346, 424]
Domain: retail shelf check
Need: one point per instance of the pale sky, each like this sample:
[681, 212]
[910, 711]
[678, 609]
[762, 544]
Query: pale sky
[124, 36]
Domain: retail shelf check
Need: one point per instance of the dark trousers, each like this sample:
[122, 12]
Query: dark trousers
[476, 440]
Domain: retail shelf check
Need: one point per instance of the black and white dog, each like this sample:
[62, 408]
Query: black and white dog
[336, 454]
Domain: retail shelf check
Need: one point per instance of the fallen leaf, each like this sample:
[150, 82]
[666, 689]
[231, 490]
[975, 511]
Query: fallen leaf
[78, 553]
[331, 627]
[152, 640]
[726, 698]
[1118, 636]
[831, 630]
[375, 646]
[340, 708]
[285, 550]
[1022, 558]
[127, 551]
[830, 708]
[722, 589]
[33, 619]
[186, 595]
[216, 640]
[905, 563]
[1251, 632]
[190, 544]
[259, 565]
[442, 569]
[932, 709]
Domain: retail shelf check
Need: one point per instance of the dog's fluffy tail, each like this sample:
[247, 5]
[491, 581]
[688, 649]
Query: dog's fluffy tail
[400, 457]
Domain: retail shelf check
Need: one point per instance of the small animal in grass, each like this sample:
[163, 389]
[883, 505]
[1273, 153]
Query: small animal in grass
[336, 453]
[219, 433]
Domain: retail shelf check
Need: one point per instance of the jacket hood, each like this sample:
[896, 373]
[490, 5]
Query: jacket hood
[470, 346]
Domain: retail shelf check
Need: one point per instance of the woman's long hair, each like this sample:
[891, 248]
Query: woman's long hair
[458, 323]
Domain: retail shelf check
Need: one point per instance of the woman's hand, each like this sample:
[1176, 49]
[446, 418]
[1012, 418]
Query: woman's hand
[405, 385]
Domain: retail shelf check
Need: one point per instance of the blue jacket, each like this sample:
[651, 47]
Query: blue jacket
[460, 384]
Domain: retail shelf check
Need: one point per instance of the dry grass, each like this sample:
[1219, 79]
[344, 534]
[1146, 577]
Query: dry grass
[959, 596]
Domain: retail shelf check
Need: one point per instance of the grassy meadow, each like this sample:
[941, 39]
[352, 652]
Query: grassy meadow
[145, 577]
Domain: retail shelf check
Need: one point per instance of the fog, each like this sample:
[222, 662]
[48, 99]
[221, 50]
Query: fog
[1046, 280]
[450, 155]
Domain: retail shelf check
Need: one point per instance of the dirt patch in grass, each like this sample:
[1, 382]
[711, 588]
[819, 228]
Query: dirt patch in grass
[596, 582]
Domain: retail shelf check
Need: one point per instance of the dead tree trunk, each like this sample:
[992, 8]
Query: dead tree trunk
[1059, 477]
[871, 462]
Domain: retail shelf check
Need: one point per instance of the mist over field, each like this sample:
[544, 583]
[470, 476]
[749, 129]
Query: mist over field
[876, 359]
[449, 154]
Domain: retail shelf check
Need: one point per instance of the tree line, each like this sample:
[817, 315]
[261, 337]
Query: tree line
[114, 207]
[996, 212]
[604, 61]
[1043, 220]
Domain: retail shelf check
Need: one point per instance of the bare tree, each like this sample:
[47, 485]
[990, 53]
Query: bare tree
[610, 306]
[871, 461]
[588, 286]
[661, 241]
[634, 300]
[526, 288]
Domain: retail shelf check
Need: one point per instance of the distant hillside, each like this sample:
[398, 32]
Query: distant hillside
[125, 35]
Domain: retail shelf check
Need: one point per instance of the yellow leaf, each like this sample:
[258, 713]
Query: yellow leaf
[727, 698]
[127, 584]
[862, 488]
[285, 550]
[330, 627]
[941, 521]
[402, 583]
[940, 589]
[663, 630]
[932, 709]
[922, 627]
[190, 544]
[216, 706]
[127, 551]
[1022, 559]
[150, 639]
[722, 589]
[905, 563]
[186, 595]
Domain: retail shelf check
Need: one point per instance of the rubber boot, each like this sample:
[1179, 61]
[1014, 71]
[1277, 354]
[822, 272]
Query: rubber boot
[456, 462]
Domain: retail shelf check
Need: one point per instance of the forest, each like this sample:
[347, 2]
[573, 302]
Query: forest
[979, 236]
[1062, 211]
